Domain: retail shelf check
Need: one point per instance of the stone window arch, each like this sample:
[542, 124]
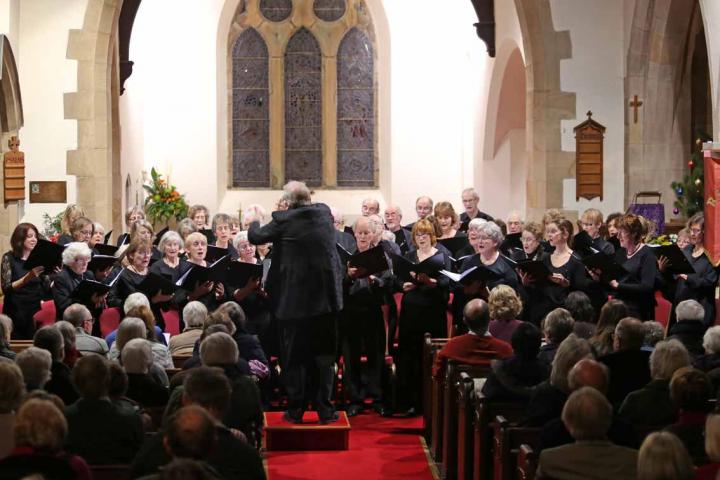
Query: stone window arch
[303, 95]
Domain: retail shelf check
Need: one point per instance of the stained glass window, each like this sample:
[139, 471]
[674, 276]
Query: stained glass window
[303, 112]
[250, 125]
[276, 10]
[355, 112]
[329, 10]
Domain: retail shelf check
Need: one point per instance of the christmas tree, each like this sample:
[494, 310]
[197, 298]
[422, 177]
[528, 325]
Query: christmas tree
[689, 192]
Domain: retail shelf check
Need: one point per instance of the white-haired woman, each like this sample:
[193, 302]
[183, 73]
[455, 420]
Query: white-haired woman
[169, 266]
[75, 258]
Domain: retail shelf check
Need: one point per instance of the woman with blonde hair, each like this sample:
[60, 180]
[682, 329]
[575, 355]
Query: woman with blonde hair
[712, 448]
[71, 213]
[663, 456]
[505, 308]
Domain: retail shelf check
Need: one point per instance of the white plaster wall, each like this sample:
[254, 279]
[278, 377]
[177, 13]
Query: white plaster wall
[711, 18]
[508, 165]
[170, 113]
[595, 75]
[40, 29]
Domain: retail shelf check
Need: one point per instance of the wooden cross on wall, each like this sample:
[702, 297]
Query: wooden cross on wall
[635, 104]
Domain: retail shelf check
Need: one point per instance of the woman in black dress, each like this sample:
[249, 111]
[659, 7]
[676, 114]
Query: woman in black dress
[636, 288]
[169, 267]
[221, 226]
[23, 289]
[424, 304]
[700, 285]
[210, 294]
[531, 238]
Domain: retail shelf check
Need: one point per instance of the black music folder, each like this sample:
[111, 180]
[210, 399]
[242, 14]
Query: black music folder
[154, 283]
[476, 273]
[101, 262]
[106, 249]
[582, 244]
[159, 235]
[106, 239]
[215, 253]
[239, 273]
[45, 254]
[217, 272]
[430, 266]
[455, 244]
[678, 262]
[373, 260]
[538, 271]
[87, 288]
[456, 263]
[512, 241]
[608, 264]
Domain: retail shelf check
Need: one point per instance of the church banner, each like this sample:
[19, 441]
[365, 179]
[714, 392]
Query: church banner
[712, 197]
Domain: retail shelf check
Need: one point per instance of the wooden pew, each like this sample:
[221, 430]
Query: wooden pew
[449, 423]
[466, 398]
[507, 439]
[526, 463]
[484, 411]
[179, 360]
[110, 472]
[430, 348]
[18, 346]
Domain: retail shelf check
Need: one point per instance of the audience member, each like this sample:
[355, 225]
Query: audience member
[513, 378]
[690, 326]
[558, 324]
[210, 389]
[710, 361]
[582, 311]
[610, 314]
[628, 364]
[587, 415]
[80, 317]
[99, 431]
[654, 332]
[35, 365]
[60, 383]
[505, 308]
[12, 390]
[650, 408]
[6, 326]
[194, 314]
[710, 470]
[249, 346]
[137, 358]
[71, 354]
[663, 457]
[40, 432]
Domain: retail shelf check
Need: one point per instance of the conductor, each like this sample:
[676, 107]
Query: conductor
[304, 284]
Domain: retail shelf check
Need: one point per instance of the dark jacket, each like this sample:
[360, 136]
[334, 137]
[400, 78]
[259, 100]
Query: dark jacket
[554, 434]
[514, 377]
[690, 333]
[629, 371]
[146, 391]
[650, 407]
[305, 278]
[546, 403]
[61, 384]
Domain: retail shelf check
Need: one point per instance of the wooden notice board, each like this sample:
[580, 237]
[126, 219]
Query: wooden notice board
[589, 137]
[48, 192]
[13, 172]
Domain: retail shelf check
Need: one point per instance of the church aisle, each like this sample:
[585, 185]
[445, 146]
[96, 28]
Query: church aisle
[382, 448]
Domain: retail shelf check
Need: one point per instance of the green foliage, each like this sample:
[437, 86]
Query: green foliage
[52, 225]
[689, 193]
[163, 201]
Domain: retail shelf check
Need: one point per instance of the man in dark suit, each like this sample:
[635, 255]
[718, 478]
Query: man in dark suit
[629, 365]
[305, 289]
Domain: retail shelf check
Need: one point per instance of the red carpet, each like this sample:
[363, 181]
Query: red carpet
[383, 448]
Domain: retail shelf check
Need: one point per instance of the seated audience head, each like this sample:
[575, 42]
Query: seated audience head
[668, 357]
[630, 230]
[137, 356]
[6, 328]
[129, 328]
[24, 238]
[91, 377]
[297, 194]
[235, 313]
[711, 340]
[190, 433]
[50, 339]
[589, 373]
[76, 257]
[570, 351]
[209, 388]
[683, 238]
[587, 415]
[423, 207]
[689, 310]
[393, 218]
[591, 221]
[12, 387]
[532, 235]
[82, 229]
[470, 199]
[79, 316]
[629, 334]
[712, 437]
[610, 314]
[504, 303]
[663, 456]
[67, 330]
[557, 325]
[184, 228]
[35, 364]
[691, 390]
[476, 316]
[144, 313]
[117, 382]
[580, 307]
[526, 341]
[200, 216]
[220, 318]
[194, 313]
[135, 300]
[370, 206]
[218, 349]
[654, 332]
[423, 231]
[40, 425]
[514, 222]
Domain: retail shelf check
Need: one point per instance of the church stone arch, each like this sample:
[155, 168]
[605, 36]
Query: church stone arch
[94, 106]
[11, 112]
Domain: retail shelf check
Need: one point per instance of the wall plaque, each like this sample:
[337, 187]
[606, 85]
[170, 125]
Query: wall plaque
[14, 172]
[48, 192]
[589, 137]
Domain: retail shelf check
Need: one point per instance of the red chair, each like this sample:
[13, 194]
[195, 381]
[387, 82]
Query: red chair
[172, 321]
[109, 320]
[662, 309]
[46, 315]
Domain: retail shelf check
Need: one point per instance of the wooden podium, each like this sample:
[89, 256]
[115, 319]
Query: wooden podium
[281, 435]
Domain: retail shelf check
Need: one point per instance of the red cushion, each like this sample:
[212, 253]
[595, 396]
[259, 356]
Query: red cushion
[109, 320]
[172, 321]
[662, 309]
[46, 315]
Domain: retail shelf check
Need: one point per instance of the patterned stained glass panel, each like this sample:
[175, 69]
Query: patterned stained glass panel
[303, 109]
[356, 111]
[329, 10]
[276, 10]
[250, 121]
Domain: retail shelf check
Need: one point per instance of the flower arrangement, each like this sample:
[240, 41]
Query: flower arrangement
[164, 201]
[52, 226]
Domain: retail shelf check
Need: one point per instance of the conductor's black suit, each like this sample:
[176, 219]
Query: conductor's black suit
[305, 289]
